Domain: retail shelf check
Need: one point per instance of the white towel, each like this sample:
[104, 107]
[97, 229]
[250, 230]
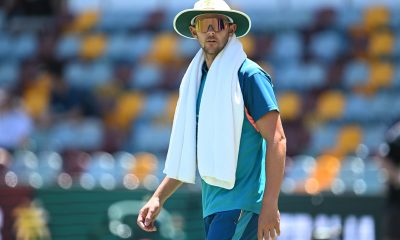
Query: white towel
[220, 121]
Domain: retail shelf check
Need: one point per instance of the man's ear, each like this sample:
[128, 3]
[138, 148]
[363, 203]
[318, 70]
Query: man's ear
[232, 29]
[193, 31]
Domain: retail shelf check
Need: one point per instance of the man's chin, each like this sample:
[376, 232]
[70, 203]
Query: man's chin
[212, 51]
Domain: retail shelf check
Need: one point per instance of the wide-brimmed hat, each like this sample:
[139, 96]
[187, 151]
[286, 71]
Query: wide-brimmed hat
[184, 18]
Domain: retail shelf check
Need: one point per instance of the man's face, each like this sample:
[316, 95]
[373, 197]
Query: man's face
[212, 31]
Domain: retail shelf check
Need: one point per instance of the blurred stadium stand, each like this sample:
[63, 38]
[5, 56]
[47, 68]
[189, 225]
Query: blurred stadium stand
[89, 88]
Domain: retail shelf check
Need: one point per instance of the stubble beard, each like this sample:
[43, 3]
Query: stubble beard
[211, 50]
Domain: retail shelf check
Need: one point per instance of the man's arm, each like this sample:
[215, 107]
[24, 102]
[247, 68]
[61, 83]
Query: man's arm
[271, 129]
[149, 212]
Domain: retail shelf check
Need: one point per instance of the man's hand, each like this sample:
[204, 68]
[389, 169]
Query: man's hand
[150, 211]
[148, 215]
[269, 223]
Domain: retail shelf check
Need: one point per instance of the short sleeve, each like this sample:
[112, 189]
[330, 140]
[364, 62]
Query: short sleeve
[258, 95]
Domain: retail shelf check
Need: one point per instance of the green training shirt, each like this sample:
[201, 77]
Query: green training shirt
[259, 99]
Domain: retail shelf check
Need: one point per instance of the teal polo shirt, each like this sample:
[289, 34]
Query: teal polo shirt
[259, 99]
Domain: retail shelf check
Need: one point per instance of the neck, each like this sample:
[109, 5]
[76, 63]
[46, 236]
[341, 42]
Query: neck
[209, 59]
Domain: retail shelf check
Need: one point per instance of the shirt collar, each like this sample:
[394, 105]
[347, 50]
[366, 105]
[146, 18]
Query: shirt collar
[204, 68]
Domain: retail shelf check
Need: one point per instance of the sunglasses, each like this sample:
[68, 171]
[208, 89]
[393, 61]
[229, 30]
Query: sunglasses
[217, 23]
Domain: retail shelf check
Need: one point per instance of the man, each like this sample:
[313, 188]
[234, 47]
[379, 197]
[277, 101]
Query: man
[227, 125]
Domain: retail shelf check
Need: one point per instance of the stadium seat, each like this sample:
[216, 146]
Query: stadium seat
[299, 77]
[297, 172]
[24, 46]
[117, 47]
[354, 164]
[100, 74]
[126, 48]
[381, 75]
[396, 77]
[373, 136]
[395, 18]
[68, 46]
[315, 4]
[146, 76]
[327, 45]
[287, 47]
[356, 73]
[86, 135]
[302, 166]
[84, 22]
[378, 106]
[77, 6]
[323, 138]
[349, 17]
[187, 48]
[298, 20]
[125, 162]
[287, 76]
[394, 112]
[253, 5]
[277, 18]
[290, 105]
[396, 45]
[146, 164]
[9, 73]
[5, 45]
[349, 137]
[330, 105]
[127, 108]
[313, 77]
[60, 137]
[375, 181]
[143, 43]
[101, 163]
[89, 134]
[93, 46]
[150, 135]
[75, 74]
[357, 109]
[49, 167]
[326, 169]
[87, 75]
[352, 168]
[259, 24]
[36, 96]
[163, 49]
[123, 20]
[171, 106]
[132, 7]
[154, 106]
[376, 17]
[25, 164]
[381, 44]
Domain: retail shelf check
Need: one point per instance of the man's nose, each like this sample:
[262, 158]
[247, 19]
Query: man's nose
[210, 28]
